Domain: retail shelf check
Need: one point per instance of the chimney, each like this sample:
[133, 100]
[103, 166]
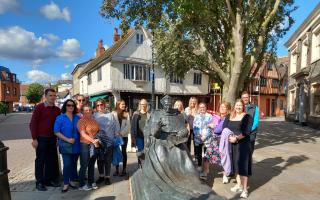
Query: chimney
[100, 49]
[116, 35]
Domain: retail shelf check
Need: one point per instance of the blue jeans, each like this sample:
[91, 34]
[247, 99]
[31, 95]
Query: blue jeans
[86, 163]
[69, 167]
[140, 144]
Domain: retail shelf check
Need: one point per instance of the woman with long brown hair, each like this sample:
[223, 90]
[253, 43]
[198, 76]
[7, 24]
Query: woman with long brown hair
[240, 124]
[123, 122]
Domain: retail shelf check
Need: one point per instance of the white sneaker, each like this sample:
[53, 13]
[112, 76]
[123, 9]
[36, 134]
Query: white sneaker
[236, 188]
[94, 186]
[85, 187]
[244, 194]
[203, 176]
[225, 179]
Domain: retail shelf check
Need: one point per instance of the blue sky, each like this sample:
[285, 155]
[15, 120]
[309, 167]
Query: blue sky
[43, 40]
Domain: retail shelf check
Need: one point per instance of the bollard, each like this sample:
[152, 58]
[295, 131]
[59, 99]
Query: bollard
[4, 182]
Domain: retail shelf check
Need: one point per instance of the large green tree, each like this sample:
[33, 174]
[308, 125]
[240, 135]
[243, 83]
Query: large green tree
[35, 93]
[224, 38]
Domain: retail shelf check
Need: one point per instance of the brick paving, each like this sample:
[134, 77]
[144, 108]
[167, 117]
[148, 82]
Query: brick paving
[286, 165]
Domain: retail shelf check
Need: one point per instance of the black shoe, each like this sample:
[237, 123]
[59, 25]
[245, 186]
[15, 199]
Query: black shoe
[116, 173]
[64, 190]
[40, 187]
[107, 181]
[53, 184]
[123, 173]
[100, 180]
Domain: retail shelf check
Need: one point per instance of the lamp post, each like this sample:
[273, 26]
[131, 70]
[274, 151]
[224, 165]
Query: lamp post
[153, 100]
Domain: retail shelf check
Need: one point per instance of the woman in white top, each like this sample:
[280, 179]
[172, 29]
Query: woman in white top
[191, 112]
[123, 121]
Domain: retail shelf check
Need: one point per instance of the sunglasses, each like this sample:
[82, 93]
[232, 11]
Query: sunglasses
[98, 105]
[81, 100]
[70, 105]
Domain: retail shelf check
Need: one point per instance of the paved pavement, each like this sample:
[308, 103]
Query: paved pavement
[286, 165]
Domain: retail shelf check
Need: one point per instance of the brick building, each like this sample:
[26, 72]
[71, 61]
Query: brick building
[9, 87]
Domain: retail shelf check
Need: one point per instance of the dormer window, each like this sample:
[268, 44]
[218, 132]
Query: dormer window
[139, 38]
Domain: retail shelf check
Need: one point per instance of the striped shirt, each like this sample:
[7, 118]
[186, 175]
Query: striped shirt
[91, 128]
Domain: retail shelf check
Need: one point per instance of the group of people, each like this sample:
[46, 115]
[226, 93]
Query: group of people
[225, 138]
[81, 133]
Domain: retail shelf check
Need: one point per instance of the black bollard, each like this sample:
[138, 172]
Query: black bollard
[4, 182]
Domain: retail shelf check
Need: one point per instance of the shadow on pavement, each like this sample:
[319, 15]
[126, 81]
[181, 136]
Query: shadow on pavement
[272, 133]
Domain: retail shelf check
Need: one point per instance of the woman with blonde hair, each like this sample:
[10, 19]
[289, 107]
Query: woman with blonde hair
[191, 112]
[123, 122]
[239, 122]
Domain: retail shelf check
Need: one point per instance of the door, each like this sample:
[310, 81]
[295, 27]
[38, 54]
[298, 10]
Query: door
[268, 108]
[273, 107]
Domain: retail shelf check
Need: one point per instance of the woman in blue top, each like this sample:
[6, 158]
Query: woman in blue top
[65, 128]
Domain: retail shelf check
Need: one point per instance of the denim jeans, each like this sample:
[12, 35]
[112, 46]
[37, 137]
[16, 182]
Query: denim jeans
[69, 167]
[86, 163]
[104, 166]
[46, 163]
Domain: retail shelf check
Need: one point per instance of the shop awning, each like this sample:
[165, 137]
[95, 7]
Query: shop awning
[94, 98]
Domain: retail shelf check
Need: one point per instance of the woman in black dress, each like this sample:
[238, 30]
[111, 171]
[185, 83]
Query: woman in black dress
[240, 124]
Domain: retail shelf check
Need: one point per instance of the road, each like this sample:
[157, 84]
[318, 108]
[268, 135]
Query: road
[286, 163]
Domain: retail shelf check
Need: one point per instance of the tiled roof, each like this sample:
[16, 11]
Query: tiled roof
[109, 52]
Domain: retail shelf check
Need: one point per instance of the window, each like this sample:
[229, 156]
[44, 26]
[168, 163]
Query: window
[293, 63]
[281, 104]
[197, 78]
[304, 54]
[315, 99]
[99, 74]
[7, 90]
[14, 78]
[89, 79]
[292, 101]
[175, 79]
[136, 72]
[82, 87]
[139, 38]
[315, 46]
[269, 65]
[14, 91]
[275, 83]
[263, 82]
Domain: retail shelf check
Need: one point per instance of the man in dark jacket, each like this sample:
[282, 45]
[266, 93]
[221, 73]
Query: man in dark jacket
[45, 142]
[253, 111]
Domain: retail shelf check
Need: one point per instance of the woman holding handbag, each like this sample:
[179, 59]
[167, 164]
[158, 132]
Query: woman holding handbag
[65, 128]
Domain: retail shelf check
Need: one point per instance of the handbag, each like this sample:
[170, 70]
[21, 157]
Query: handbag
[66, 147]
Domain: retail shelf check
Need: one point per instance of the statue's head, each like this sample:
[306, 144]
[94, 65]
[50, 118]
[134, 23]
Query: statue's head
[166, 102]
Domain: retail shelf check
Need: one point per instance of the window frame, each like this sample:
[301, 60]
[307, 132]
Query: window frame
[90, 78]
[99, 74]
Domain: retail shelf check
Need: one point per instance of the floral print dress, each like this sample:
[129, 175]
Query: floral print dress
[212, 153]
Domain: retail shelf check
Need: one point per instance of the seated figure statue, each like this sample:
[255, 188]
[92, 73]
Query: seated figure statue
[168, 172]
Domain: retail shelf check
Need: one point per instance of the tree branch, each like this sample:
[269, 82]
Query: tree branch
[231, 13]
[213, 64]
[271, 14]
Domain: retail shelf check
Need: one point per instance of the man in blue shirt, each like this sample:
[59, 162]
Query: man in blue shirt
[253, 111]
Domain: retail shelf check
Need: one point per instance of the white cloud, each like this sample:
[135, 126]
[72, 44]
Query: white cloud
[51, 37]
[70, 49]
[66, 76]
[66, 66]
[52, 11]
[8, 5]
[40, 76]
[18, 43]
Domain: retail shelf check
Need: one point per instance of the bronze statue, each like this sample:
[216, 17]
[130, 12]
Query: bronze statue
[168, 172]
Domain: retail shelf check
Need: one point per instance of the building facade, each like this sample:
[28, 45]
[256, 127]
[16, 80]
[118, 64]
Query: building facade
[9, 87]
[304, 72]
[268, 88]
[124, 71]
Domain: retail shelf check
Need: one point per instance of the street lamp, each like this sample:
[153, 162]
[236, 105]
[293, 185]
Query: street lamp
[153, 101]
